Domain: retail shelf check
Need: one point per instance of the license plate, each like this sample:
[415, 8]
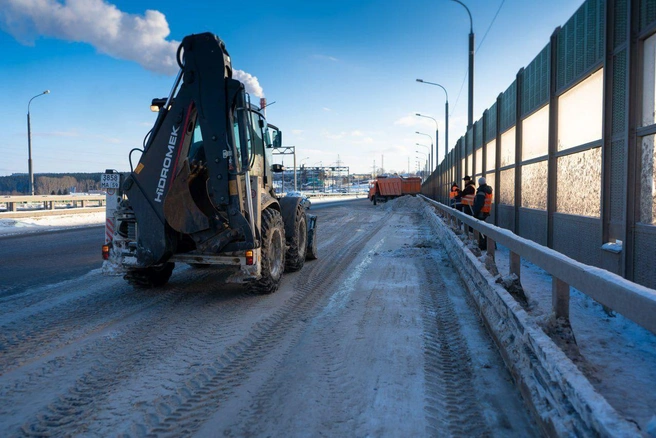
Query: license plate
[109, 181]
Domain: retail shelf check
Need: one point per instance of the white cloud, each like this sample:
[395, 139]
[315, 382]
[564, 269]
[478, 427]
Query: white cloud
[326, 109]
[133, 37]
[250, 82]
[325, 57]
[332, 136]
[363, 141]
[412, 120]
[297, 131]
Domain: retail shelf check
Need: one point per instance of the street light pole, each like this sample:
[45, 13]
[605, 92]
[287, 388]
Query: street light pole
[437, 139]
[29, 142]
[446, 114]
[470, 112]
[430, 155]
[425, 163]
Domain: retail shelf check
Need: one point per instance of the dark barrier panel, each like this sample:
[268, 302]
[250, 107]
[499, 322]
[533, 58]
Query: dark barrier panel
[578, 237]
[645, 255]
[533, 225]
[506, 217]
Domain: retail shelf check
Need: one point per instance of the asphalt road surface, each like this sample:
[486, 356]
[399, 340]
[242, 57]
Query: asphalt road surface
[38, 259]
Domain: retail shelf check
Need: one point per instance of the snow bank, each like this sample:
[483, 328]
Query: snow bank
[49, 223]
[561, 397]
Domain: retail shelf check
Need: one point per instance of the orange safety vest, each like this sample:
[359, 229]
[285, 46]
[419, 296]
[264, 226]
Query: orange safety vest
[487, 207]
[468, 199]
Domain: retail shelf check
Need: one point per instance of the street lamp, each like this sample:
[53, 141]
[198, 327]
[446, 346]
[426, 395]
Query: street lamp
[431, 146]
[446, 116]
[29, 142]
[470, 112]
[437, 137]
[424, 146]
[426, 161]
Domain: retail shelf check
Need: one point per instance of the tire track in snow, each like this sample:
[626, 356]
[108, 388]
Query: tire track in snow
[335, 382]
[115, 359]
[230, 370]
[451, 404]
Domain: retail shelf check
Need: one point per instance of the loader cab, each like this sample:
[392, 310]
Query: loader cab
[258, 129]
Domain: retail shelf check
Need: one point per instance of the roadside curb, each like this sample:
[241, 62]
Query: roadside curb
[562, 400]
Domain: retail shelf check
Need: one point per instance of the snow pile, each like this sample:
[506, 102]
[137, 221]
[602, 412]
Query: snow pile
[10, 226]
[405, 201]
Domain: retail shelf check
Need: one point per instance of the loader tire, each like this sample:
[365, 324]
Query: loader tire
[148, 278]
[297, 242]
[273, 253]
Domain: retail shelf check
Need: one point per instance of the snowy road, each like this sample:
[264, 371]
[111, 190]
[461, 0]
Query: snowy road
[376, 338]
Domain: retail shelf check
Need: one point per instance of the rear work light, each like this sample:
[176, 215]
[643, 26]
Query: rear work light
[105, 252]
[249, 257]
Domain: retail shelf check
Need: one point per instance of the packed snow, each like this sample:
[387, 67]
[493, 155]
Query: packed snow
[615, 354]
[9, 226]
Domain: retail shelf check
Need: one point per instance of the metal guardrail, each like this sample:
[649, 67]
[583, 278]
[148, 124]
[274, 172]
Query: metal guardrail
[636, 302]
[41, 203]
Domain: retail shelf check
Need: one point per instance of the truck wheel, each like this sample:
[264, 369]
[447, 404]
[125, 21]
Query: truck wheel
[295, 257]
[273, 253]
[374, 199]
[147, 278]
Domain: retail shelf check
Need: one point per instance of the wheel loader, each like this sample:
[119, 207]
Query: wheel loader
[202, 190]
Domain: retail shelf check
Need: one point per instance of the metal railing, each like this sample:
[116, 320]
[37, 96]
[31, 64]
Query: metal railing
[48, 203]
[635, 302]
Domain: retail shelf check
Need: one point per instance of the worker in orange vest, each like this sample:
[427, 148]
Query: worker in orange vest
[454, 195]
[468, 193]
[482, 207]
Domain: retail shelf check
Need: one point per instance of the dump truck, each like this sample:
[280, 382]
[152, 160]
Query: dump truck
[411, 185]
[385, 187]
[202, 191]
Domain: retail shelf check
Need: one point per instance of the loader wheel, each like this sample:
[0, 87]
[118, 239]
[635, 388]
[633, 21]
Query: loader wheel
[148, 278]
[295, 257]
[273, 253]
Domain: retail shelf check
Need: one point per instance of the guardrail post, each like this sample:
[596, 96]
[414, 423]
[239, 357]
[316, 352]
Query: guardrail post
[491, 247]
[515, 264]
[12, 206]
[560, 298]
[52, 205]
[84, 203]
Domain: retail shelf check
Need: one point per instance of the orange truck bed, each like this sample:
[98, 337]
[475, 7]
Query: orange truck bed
[411, 185]
[389, 186]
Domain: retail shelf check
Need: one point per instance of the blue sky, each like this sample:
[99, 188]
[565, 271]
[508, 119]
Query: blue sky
[342, 73]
